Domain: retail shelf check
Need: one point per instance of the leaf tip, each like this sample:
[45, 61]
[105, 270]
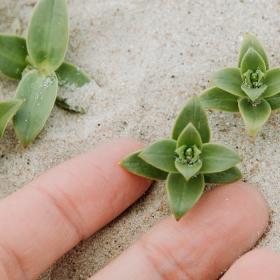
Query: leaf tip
[122, 163]
[142, 155]
[247, 35]
[252, 133]
[177, 218]
[25, 144]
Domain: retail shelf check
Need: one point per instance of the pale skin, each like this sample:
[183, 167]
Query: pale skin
[69, 203]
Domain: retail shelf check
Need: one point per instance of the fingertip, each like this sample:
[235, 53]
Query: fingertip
[112, 153]
[257, 264]
[128, 145]
[258, 200]
[255, 202]
[242, 196]
[260, 255]
[244, 191]
[123, 145]
[107, 157]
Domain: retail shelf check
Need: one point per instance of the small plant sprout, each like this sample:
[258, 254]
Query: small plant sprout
[38, 62]
[186, 161]
[251, 89]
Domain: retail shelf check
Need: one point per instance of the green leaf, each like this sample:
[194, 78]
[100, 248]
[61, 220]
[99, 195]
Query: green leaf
[182, 194]
[7, 110]
[225, 177]
[252, 61]
[272, 80]
[189, 137]
[216, 98]
[274, 102]
[47, 37]
[134, 164]
[39, 93]
[254, 93]
[68, 75]
[192, 113]
[188, 170]
[13, 53]
[216, 158]
[229, 79]
[65, 105]
[255, 115]
[161, 155]
[251, 41]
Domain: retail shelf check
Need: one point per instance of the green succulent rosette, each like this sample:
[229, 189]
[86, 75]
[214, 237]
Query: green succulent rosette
[186, 161]
[252, 89]
[38, 63]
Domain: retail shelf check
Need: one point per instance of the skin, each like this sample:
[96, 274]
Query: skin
[69, 203]
[257, 264]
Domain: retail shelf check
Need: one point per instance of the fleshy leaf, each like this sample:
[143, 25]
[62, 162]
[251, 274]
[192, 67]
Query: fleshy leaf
[254, 93]
[225, 177]
[274, 102]
[161, 155]
[13, 53]
[7, 110]
[216, 98]
[189, 137]
[251, 41]
[68, 75]
[216, 158]
[65, 105]
[182, 194]
[188, 170]
[192, 113]
[272, 80]
[13, 62]
[255, 115]
[39, 93]
[229, 79]
[47, 37]
[134, 164]
[252, 61]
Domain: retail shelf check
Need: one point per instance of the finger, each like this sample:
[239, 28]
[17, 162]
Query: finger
[225, 223]
[258, 264]
[47, 218]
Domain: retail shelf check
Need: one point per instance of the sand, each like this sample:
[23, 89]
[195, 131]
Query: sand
[147, 57]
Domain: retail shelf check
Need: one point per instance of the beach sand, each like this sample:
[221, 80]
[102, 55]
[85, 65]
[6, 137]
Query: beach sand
[146, 58]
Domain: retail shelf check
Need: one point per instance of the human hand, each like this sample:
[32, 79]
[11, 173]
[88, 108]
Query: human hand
[69, 203]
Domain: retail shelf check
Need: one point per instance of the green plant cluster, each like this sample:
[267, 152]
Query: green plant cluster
[253, 89]
[38, 62]
[186, 161]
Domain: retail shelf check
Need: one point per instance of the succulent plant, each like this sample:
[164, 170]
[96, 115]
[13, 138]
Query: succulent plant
[38, 62]
[186, 161]
[251, 89]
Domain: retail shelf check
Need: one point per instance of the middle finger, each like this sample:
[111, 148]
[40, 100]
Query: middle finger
[224, 224]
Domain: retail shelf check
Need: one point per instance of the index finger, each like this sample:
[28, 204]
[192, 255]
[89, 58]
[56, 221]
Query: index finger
[52, 214]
